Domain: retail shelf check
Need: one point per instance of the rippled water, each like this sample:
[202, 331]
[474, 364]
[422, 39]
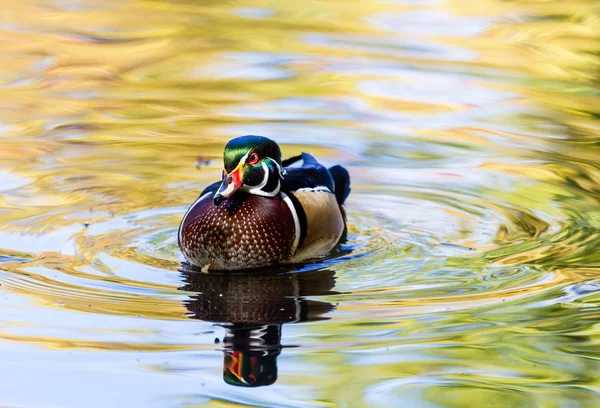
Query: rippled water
[471, 275]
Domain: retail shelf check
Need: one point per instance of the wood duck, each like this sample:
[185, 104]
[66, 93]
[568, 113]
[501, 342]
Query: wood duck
[263, 212]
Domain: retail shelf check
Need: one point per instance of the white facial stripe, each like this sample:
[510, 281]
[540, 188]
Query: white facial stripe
[266, 177]
[258, 190]
[290, 204]
[278, 167]
[245, 157]
[276, 191]
[228, 191]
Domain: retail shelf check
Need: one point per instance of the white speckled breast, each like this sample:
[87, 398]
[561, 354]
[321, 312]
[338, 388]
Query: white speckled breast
[245, 231]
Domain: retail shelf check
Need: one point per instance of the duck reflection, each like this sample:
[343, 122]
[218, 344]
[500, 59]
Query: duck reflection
[252, 307]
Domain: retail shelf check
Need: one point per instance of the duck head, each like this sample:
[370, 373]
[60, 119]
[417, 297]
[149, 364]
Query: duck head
[252, 165]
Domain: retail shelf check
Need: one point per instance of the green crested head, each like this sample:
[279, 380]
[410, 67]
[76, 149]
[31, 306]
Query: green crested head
[253, 165]
[257, 148]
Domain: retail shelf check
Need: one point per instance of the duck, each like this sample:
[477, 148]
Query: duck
[265, 211]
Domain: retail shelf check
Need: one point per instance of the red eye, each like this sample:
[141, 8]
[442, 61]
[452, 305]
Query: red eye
[253, 159]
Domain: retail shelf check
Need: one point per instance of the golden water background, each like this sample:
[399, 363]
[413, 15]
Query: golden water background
[471, 132]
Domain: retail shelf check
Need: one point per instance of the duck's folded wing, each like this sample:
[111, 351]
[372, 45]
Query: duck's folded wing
[310, 175]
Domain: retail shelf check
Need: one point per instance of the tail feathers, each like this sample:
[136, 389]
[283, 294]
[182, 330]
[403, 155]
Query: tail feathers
[341, 180]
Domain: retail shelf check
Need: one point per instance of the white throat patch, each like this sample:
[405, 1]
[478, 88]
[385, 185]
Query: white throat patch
[258, 190]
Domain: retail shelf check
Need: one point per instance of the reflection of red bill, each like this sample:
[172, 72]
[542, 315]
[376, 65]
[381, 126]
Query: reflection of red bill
[233, 363]
[250, 368]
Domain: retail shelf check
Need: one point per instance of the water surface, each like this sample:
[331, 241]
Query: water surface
[471, 274]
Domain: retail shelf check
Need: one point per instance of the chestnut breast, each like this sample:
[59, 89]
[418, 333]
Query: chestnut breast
[244, 231]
